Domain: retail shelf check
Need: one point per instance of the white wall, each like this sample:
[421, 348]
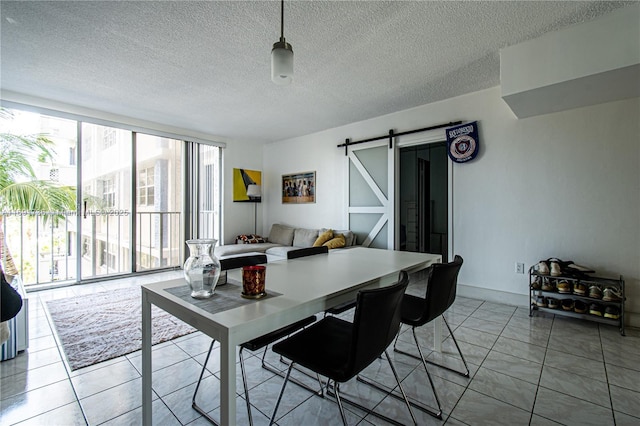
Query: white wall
[561, 185]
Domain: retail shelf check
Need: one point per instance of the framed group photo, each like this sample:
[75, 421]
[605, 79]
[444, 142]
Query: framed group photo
[299, 188]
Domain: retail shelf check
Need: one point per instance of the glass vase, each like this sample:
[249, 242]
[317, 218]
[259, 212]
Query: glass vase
[202, 268]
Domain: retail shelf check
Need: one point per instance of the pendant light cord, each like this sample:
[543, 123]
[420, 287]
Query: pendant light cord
[282, 20]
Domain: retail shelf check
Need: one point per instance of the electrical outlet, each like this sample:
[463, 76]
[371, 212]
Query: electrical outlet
[519, 268]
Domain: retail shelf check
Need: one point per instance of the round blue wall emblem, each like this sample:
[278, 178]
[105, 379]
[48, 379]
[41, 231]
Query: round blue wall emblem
[463, 148]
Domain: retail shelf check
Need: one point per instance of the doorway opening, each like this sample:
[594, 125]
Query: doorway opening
[423, 198]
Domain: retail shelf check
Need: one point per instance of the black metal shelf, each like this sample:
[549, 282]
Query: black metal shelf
[585, 316]
[562, 296]
[607, 282]
[588, 281]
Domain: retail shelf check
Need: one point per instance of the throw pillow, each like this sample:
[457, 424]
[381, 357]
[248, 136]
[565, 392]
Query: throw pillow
[249, 239]
[323, 238]
[336, 242]
[349, 236]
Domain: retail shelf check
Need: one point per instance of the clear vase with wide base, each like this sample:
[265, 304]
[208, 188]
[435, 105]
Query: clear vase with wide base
[202, 268]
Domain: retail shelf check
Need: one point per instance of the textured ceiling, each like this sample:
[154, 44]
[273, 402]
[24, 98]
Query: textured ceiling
[205, 65]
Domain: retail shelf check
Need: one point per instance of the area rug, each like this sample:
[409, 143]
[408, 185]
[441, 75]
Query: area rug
[101, 326]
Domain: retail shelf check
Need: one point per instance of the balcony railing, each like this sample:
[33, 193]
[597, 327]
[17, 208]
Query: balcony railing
[45, 245]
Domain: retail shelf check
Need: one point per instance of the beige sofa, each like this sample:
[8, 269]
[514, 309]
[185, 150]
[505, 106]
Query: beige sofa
[282, 239]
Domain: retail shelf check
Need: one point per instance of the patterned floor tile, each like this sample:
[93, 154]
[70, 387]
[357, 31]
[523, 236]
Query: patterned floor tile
[569, 410]
[576, 365]
[477, 409]
[625, 401]
[504, 388]
[575, 385]
[513, 366]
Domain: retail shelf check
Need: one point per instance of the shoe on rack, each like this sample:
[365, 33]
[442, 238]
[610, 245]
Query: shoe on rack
[579, 307]
[536, 285]
[595, 292]
[541, 301]
[564, 287]
[595, 309]
[543, 268]
[555, 270]
[611, 312]
[567, 304]
[580, 289]
[611, 294]
[548, 285]
[553, 303]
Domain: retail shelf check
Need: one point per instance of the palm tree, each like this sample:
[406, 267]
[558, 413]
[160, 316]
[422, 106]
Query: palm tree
[20, 189]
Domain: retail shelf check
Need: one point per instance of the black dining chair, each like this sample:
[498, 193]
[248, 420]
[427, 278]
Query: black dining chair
[339, 350]
[440, 294]
[307, 251]
[255, 344]
[235, 262]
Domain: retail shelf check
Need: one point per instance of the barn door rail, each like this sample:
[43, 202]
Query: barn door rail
[347, 142]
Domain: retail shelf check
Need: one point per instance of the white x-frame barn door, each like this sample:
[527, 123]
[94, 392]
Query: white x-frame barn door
[371, 195]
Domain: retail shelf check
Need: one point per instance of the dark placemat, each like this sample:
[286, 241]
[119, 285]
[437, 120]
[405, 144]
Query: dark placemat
[225, 297]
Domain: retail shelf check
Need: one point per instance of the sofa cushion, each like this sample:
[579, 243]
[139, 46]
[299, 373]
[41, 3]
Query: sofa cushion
[304, 237]
[281, 234]
[323, 238]
[231, 249]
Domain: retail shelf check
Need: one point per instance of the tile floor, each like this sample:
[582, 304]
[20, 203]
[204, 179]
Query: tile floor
[539, 371]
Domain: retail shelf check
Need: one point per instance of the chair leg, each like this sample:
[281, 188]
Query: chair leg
[404, 395]
[342, 414]
[424, 363]
[246, 386]
[464, 373]
[269, 367]
[193, 400]
[383, 388]
[466, 367]
[284, 384]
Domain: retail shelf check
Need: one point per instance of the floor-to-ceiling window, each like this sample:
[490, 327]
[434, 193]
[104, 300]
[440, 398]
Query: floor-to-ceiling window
[158, 201]
[106, 200]
[38, 195]
[125, 212]
[209, 194]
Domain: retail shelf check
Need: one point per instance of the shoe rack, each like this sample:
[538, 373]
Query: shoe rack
[543, 288]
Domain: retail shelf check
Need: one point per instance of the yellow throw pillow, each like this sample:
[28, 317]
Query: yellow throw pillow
[323, 238]
[337, 242]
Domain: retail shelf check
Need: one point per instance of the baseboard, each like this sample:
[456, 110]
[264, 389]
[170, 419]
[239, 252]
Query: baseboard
[632, 319]
[493, 295]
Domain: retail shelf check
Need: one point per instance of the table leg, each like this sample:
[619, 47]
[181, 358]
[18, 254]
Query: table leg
[437, 334]
[146, 361]
[227, 383]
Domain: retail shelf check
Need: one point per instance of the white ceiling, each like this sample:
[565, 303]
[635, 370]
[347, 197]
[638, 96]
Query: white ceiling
[205, 65]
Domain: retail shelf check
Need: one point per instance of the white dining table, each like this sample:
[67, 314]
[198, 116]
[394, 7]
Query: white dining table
[299, 287]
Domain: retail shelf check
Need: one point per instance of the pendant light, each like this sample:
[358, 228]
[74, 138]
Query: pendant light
[282, 56]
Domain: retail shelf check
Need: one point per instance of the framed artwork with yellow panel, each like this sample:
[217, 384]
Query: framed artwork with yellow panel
[247, 186]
